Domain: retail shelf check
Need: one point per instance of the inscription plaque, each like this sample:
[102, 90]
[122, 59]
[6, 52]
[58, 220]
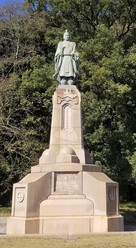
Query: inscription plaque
[67, 182]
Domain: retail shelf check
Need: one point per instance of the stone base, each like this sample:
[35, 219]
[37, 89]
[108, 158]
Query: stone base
[64, 225]
[66, 206]
[80, 225]
[116, 224]
[21, 226]
[74, 214]
[65, 193]
[62, 201]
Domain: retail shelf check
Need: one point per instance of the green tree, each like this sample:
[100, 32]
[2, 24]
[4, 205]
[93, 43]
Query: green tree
[25, 94]
[108, 103]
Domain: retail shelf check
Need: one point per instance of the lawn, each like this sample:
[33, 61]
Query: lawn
[115, 240]
[5, 211]
[128, 210]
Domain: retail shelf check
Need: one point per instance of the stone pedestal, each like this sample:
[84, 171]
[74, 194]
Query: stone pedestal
[65, 193]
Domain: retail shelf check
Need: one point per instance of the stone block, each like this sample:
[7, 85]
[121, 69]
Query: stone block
[20, 226]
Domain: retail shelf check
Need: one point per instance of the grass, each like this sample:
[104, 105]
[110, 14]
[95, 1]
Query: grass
[128, 210]
[5, 211]
[128, 206]
[89, 241]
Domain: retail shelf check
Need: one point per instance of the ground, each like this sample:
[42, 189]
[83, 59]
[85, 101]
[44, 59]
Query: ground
[114, 240]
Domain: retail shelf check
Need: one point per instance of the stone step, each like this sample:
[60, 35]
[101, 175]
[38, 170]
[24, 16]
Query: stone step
[3, 225]
[62, 196]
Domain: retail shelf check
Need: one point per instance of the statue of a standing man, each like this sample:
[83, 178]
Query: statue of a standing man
[66, 61]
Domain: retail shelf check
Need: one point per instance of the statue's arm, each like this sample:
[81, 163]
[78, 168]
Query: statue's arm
[74, 51]
[75, 59]
[58, 58]
[59, 49]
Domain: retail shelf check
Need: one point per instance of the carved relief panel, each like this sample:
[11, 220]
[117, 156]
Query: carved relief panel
[112, 200]
[67, 183]
[66, 122]
[20, 201]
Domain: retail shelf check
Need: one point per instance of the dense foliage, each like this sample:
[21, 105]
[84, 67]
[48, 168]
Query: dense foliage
[105, 33]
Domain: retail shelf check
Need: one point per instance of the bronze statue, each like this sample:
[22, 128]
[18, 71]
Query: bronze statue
[66, 61]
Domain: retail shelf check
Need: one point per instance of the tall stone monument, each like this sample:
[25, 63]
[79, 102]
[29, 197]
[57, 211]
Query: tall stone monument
[65, 193]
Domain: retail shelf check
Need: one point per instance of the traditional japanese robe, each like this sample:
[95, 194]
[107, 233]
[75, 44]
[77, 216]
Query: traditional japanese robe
[66, 59]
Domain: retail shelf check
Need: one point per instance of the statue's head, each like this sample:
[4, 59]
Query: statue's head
[66, 35]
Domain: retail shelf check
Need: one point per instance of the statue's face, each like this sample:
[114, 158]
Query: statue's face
[66, 36]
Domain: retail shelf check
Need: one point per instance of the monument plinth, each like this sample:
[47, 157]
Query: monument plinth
[65, 193]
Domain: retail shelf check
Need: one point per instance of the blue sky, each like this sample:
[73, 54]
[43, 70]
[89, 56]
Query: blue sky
[2, 2]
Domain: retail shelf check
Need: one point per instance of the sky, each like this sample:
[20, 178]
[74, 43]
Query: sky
[3, 2]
